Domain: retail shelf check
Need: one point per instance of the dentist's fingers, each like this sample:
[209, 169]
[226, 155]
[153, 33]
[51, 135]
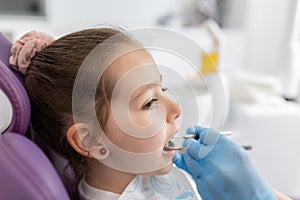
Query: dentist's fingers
[179, 162]
[195, 130]
[206, 136]
[194, 166]
[191, 130]
[197, 150]
[209, 136]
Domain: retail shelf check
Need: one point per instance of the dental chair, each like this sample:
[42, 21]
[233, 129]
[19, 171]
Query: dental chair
[25, 171]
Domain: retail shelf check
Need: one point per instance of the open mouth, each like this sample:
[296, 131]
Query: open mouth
[170, 146]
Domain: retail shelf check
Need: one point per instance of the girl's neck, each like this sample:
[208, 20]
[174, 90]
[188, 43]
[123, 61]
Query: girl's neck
[105, 178]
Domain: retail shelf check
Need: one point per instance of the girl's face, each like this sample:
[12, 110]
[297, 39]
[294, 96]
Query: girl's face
[142, 118]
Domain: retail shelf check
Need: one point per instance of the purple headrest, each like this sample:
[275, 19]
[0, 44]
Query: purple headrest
[11, 85]
[25, 172]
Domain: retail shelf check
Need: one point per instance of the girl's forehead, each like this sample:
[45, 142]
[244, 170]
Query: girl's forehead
[137, 77]
[132, 59]
[134, 69]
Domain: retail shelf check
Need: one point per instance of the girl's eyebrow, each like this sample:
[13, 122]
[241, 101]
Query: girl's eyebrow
[140, 91]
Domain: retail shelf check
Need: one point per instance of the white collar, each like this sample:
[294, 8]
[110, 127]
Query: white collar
[175, 184]
[87, 192]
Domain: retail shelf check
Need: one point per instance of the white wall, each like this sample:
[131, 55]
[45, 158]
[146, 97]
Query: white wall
[93, 12]
[68, 15]
[266, 26]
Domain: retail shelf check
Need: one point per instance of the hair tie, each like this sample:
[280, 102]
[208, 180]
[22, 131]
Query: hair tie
[26, 47]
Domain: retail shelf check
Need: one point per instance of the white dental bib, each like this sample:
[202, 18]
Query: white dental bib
[174, 185]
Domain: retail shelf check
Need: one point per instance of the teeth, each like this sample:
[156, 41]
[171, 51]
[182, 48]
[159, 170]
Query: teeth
[170, 144]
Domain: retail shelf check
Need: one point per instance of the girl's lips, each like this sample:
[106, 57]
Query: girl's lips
[169, 152]
[166, 148]
[169, 149]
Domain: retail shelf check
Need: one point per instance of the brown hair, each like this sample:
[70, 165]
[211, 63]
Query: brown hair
[49, 83]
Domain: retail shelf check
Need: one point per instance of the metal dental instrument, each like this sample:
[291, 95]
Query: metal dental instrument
[171, 144]
[227, 133]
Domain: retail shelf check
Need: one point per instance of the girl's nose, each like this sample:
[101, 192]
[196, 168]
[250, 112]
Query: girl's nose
[173, 111]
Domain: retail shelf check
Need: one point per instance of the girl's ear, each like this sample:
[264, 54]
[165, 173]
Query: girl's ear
[74, 139]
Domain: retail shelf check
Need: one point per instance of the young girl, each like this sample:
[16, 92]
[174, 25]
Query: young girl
[97, 99]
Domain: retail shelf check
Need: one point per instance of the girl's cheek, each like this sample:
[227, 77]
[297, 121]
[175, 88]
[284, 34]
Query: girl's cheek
[135, 144]
[141, 119]
[152, 144]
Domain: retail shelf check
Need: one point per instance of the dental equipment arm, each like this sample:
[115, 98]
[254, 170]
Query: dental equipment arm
[221, 168]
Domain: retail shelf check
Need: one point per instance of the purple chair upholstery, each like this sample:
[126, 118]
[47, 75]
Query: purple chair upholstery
[25, 172]
[11, 84]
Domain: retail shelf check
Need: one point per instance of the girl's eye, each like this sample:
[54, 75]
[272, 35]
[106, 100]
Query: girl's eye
[164, 89]
[148, 105]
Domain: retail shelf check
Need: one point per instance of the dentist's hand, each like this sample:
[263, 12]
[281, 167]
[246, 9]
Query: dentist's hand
[221, 168]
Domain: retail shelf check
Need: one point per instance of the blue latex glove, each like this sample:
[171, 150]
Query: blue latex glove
[221, 168]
